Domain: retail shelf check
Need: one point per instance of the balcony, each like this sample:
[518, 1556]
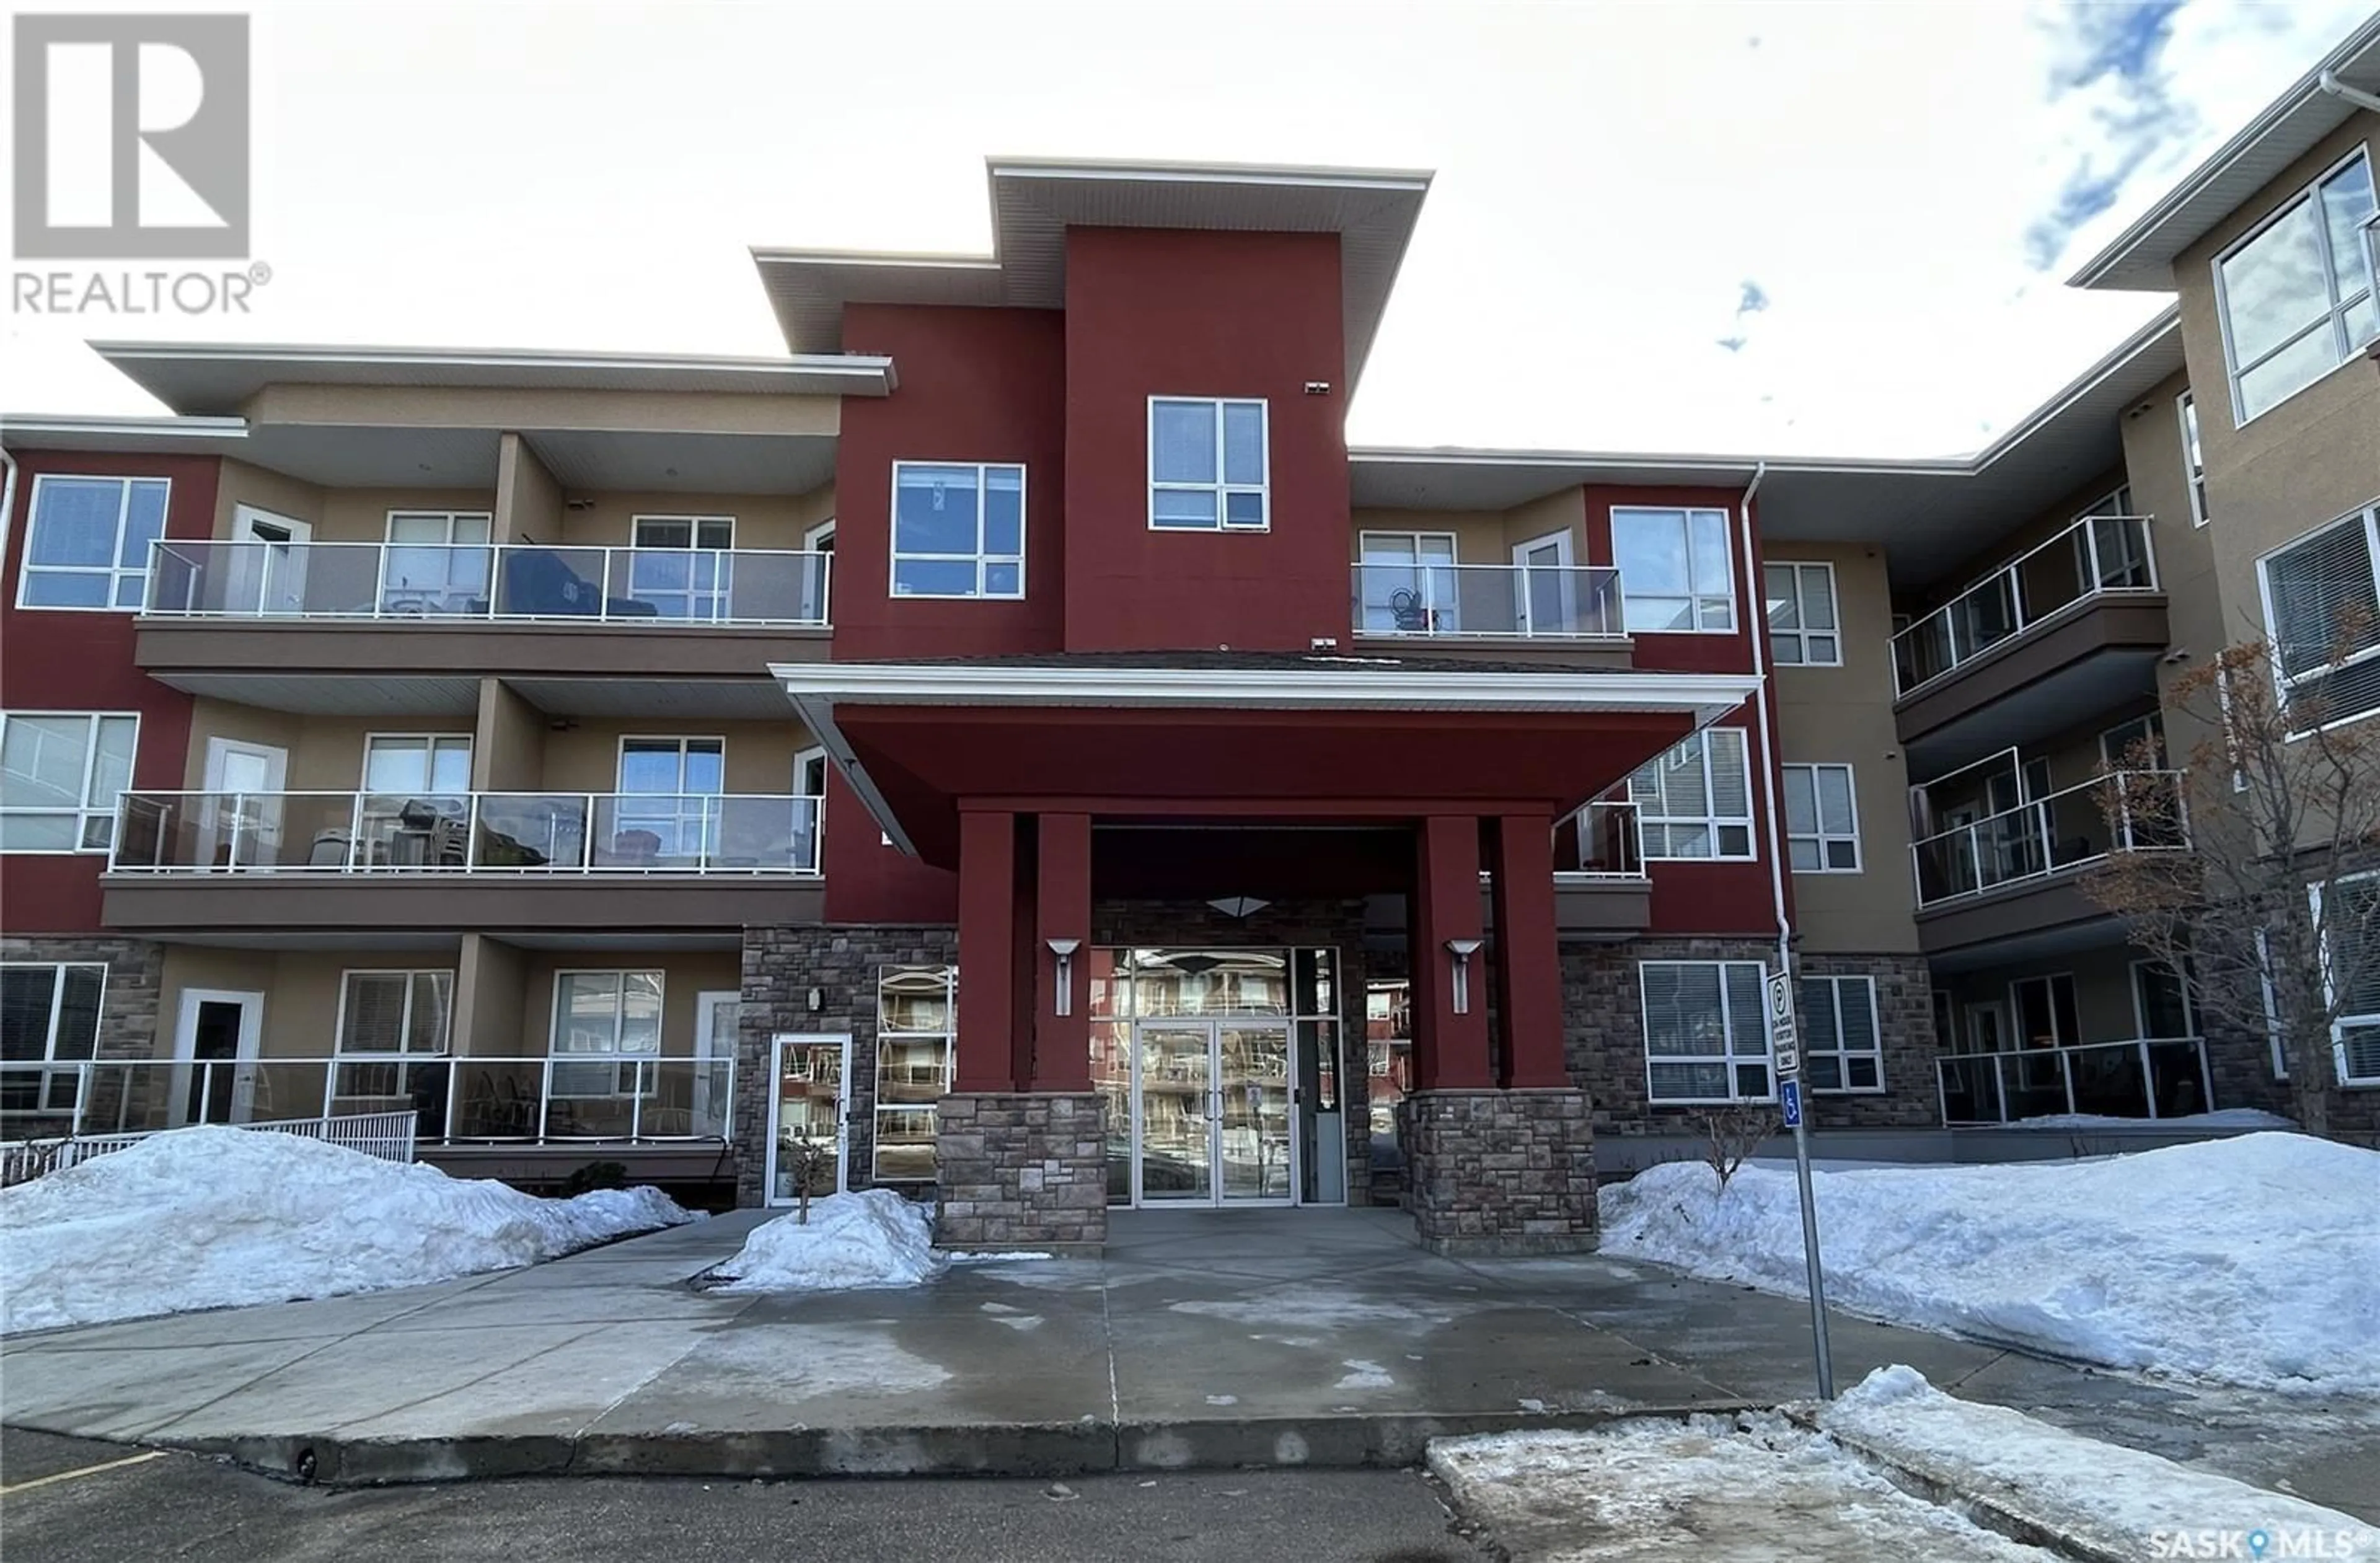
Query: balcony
[2072, 627]
[1601, 888]
[2013, 875]
[218, 609]
[280, 861]
[1458, 608]
[2147, 1078]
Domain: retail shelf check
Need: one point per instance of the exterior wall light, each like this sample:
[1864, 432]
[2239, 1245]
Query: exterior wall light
[1064, 949]
[1462, 950]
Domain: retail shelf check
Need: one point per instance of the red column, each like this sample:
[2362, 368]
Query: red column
[1450, 1047]
[1528, 957]
[987, 952]
[1061, 1044]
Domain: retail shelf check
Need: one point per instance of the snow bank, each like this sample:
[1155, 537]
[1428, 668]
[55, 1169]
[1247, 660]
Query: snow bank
[2221, 1118]
[2118, 1500]
[870, 1239]
[215, 1217]
[2251, 1261]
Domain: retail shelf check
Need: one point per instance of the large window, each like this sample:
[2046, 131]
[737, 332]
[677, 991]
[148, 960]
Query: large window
[2297, 296]
[669, 792]
[2194, 464]
[1695, 801]
[1840, 1047]
[1821, 820]
[60, 773]
[2319, 611]
[395, 1013]
[604, 1022]
[1802, 626]
[1407, 583]
[1208, 465]
[2350, 919]
[49, 1024]
[1706, 1031]
[87, 544]
[1676, 573]
[680, 565]
[917, 1013]
[958, 529]
[437, 561]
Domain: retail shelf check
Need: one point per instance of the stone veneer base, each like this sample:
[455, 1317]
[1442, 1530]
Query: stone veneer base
[1502, 1172]
[1022, 1170]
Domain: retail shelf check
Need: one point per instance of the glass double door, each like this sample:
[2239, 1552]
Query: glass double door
[1213, 1114]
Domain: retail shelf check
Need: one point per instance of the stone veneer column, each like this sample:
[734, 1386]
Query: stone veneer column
[1022, 1170]
[1501, 1172]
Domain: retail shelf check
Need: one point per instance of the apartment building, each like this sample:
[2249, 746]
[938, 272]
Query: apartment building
[1012, 738]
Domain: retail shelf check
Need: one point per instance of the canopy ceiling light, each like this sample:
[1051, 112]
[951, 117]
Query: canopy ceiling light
[1241, 906]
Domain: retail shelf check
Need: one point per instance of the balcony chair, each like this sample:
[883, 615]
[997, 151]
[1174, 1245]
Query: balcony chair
[1407, 609]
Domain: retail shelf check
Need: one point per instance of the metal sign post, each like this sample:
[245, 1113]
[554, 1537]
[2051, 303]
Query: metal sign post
[1785, 1045]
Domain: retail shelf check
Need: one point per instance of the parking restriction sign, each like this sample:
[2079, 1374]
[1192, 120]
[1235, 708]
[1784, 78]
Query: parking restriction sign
[1784, 1038]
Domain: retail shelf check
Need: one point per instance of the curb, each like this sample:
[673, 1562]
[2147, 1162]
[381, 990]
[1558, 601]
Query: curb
[1086, 1447]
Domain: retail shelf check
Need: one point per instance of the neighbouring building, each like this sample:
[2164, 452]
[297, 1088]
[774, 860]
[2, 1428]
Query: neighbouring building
[1014, 739]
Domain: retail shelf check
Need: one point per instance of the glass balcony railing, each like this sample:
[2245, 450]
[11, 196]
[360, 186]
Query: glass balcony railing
[467, 832]
[2055, 834]
[1538, 602]
[2146, 1078]
[1601, 842]
[2098, 555]
[502, 582]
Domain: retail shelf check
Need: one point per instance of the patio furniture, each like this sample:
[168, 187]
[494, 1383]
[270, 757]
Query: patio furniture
[1407, 609]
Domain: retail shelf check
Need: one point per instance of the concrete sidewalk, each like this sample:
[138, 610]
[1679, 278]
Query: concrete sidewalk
[1199, 1340]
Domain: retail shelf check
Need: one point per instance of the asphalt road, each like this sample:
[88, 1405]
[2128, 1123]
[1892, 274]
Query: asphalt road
[55, 1508]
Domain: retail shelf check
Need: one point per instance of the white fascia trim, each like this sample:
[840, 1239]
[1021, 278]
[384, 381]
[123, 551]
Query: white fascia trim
[889, 259]
[22, 427]
[818, 715]
[1315, 177]
[864, 371]
[1707, 697]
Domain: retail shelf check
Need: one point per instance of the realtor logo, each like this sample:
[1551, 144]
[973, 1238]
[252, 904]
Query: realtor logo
[132, 135]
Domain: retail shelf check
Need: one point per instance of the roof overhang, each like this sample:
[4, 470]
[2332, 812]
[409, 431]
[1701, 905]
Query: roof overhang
[172, 436]
[1034, 201]
[2141, 257]
[905, 735]
[218, 379]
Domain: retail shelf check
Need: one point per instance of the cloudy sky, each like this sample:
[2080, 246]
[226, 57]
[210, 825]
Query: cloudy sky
[1779, 227]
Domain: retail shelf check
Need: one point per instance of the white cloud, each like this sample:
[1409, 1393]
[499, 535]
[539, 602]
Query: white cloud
[1611, 178]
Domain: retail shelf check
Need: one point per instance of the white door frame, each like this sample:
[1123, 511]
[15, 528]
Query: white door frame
[1564, 560]
[710, 1045]
[275, 582]
[778, 1043]
[215, 821]
[1215, 1025]
[185, 1043]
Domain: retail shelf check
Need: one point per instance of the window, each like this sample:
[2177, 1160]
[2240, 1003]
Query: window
[1821, 820]
[1706, 1031]
[1802, 628]
[2194, 464]
[958, 530]
[60, 773]
[2137, 743]
[437, 561]
[917, 1009]
[680, 564]
[1695, 801]
[1408, 585]
[2161, 1005]
[2319, 602]
[1675, 571]
[608, 1014]
[2046, 1016]
[2350, 920]
[669, 789]
[87, 545]
[1208, 464]
[1841, 1046]
[49, 1024]
[2296, 296]
[395, 1013]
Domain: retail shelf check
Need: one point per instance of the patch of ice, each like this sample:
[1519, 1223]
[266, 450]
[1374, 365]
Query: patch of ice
[818, 1358]
[1316, 1307]
[873, 1237]
[212, 1217]
[1362, 1374]
[2253, 1261]
[1222, 1400]
[1002, 1256]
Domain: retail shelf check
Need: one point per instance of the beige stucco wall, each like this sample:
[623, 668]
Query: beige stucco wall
[243, 484]
[361, 514]
[2103, 991]
[728, 412]
[492, 996]
[2199, 622]
[1844, 716]
[326, 754]
[301, 987]
[759, 755]
[762, 521]
[684, 974]
[528, 501]
[1484, 537]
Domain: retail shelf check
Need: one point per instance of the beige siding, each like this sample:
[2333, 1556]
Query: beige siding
[684, 974]
[301, 989]
[726, 412]
[508, 751]
[242, 484]
[759, 755]
[528, 501]
[762, 521]
[2195, 611]
[361, 514]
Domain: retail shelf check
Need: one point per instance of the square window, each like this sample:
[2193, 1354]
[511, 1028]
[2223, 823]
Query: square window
[2296, 296]
[1836, 1019]
[61, 775]
[1821, 819]
[958, 529]
[1801, 625]
[1695, 801]
[87, 541]
[1676, 570]
[1208, 463]
[1706, 1031]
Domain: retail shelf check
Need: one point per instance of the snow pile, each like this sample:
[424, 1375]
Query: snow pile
[2117, 1500]
[215, 1217]
[871, 1238]
[2251, 1261]
[2221, 1118]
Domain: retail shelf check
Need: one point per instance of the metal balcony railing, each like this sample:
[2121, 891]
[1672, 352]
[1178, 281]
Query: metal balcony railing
[2146, 1078]
[1547, 601]
[2066, 830]
[1600, 841]
[2100, 555]
[500, 582]
[705, 833]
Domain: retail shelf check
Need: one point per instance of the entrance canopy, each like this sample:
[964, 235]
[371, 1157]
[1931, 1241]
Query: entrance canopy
[1174, 738]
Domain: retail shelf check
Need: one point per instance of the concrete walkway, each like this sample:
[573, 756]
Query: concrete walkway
[1200, 1339]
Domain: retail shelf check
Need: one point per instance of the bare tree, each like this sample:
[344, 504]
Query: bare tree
[809, 1165]
[1731, 1135]
[2246, 872]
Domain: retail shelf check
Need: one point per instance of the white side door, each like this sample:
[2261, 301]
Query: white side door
[269, 564]
[217, 1034]
[714, 1049]
[809, 1098]
[239, 819]
[1545, 592]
